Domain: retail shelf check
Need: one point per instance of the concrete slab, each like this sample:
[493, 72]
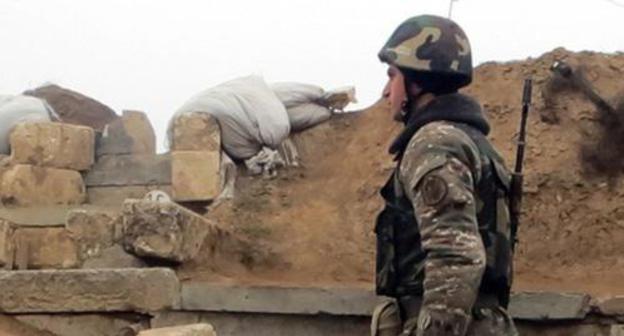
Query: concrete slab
[103, 290]
[335, 301]
[549, 306]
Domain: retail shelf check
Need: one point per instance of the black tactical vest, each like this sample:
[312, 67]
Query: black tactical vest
[400, 257]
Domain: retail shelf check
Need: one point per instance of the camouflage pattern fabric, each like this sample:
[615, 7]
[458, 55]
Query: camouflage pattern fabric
[430, 44]
[489, 322]
[438, 173]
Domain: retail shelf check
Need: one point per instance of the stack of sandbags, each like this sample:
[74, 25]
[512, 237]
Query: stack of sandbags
[249, 114]
[242, 116]
[45, 164]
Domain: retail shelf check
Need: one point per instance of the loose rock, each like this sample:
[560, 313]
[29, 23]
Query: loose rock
[163, 230]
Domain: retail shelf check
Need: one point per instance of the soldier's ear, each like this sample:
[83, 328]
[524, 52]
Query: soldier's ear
[413, 89]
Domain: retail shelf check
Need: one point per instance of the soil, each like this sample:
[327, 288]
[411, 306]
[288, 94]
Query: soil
[315, 223]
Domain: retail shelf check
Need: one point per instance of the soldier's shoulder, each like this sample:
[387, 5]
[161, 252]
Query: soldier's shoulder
[442, 136]
[433, 146]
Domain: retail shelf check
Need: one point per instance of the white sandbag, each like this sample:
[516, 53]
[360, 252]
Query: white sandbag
[249, 113]
[307, 115]
[292, 94]
[17, 109]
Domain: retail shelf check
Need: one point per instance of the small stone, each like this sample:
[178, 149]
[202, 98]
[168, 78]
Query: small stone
[31, 185]
[195, 175]
[195, 131]
[164, 231]
[54, 145]
[48, 247]
[199, 329]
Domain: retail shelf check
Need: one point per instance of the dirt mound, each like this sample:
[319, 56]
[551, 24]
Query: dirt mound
[317, 221]
[75, 108]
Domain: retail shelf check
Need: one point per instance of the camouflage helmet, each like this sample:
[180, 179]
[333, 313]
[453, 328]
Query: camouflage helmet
[433, 45]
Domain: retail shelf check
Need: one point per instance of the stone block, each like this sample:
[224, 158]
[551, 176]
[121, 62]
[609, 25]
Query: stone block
[611, 306]
[114, 257]
[549, 306]
[163, 230]
[130, 170]
[195, 131]
[73, 291]
[31, 185]
[199, 329]
[116, 195]
[7, 244]
[93, 231]
[131, 134]
[45, 248]
[54, 145]
[195, 175]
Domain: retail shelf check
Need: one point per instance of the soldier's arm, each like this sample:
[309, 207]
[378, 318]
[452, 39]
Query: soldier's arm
[438, 172]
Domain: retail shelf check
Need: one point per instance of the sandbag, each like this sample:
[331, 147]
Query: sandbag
[307, 115]
[75, 108]
[292, 94]
[249, 114]
[338, 99]
[16, 109]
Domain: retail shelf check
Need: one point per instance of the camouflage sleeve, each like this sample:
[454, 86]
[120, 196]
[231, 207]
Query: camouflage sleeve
[438, 172]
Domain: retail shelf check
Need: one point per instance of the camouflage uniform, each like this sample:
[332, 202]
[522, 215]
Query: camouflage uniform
[444, 244]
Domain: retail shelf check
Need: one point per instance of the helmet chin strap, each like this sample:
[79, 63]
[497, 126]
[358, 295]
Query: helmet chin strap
[407, 107]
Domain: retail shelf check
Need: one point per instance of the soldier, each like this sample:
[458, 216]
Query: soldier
[443, 239]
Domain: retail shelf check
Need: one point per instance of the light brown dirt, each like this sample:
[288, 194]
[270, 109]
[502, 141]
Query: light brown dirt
[317, 220]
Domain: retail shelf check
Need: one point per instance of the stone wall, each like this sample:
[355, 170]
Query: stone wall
[116, 300]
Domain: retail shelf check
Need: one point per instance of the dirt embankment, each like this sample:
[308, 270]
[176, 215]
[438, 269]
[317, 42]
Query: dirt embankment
[317, 220]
